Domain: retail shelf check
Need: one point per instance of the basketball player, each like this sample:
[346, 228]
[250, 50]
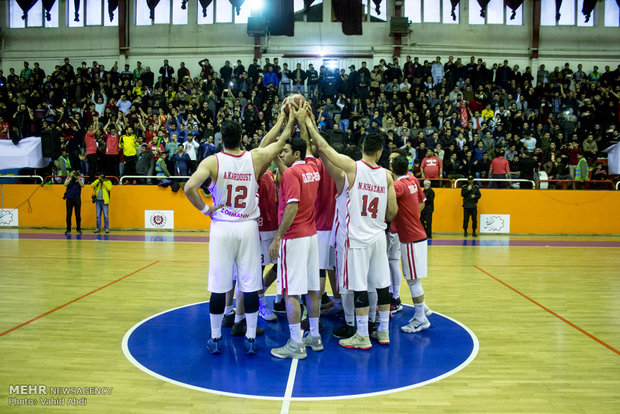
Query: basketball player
[295, 245]
[234, 229]
[371, 200]
[413, 242]
[267, 226]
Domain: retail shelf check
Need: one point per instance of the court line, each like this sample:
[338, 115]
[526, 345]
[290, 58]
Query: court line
[116, 259]
[286, 401]
[583, 331]
[76, 299]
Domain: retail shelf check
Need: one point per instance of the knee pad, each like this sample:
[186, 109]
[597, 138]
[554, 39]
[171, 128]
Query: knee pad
[383, 296]
[217, 303]
[250, 302]
[415, 286]
[360, 299]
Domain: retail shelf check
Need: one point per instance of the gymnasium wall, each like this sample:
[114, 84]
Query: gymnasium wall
[531, 211]
[596, 45]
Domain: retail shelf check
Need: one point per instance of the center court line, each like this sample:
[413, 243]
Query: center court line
[286, 402]
[76, 299]
[552, 312]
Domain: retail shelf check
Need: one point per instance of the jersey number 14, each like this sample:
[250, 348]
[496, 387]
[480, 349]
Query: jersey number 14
[373, 207]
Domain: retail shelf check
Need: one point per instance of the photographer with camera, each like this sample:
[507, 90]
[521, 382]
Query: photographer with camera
[73, 198]
[101, 198]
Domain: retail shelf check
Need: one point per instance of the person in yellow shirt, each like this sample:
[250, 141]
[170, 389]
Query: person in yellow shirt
[101, 196]
[128, 144]
[488, 113]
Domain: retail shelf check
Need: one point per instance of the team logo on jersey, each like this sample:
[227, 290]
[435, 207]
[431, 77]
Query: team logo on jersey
[413, 188]
[311, 177]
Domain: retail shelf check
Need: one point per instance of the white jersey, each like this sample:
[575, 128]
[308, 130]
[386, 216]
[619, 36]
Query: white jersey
[366, 206]
[235, 187]
[339, 227]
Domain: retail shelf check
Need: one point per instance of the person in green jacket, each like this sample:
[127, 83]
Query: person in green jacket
[581, 173]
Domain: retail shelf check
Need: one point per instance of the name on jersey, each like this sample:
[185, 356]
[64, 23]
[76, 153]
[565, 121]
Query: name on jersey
[234, 214]
[237, 176]
[371, 187]
[431, 162]
[311, 177]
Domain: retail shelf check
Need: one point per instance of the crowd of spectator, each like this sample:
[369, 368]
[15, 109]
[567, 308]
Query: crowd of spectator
[465, 114]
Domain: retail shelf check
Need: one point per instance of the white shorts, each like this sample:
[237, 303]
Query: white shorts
[413, 259]
[366, 267]
[266, 238]
[327, 255]
[339, 266]
[233, 243]
[393, 246]
[298, 266]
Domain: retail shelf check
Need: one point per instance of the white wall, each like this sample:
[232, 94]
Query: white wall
[190, 43]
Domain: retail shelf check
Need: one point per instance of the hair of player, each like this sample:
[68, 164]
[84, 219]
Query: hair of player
[373, 143]
[399, 151]
[354, 152]
[400, 165]
[298, 144]
[231, 134]
[339, 147]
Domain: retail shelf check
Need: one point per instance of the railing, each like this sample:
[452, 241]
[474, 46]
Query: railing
[50, 178]
[587, 183]
[504, 180]
[159, 177]
[434, 180]
[10, 176]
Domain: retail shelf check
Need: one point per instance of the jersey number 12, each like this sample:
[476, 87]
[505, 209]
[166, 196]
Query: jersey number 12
[242, 193]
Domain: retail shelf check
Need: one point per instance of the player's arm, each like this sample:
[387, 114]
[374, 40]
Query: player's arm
[392, 205]
[264, 156]
[272, 135]
[338, 160]
[207, 169]
[287, 219]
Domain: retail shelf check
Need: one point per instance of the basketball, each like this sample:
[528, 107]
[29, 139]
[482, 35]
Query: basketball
[296, 99]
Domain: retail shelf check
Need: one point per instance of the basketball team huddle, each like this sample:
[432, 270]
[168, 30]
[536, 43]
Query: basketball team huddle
[324, 212]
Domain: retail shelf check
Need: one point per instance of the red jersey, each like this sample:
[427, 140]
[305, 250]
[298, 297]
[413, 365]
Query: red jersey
[407, 223]
[267, 203]
[4, 130]
[91, 143]
[326, 199]
[300, 183]
[111, 146]
[500, 165]
[431, 166]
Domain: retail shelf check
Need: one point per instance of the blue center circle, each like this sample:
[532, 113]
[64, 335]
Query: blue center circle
[172, 346]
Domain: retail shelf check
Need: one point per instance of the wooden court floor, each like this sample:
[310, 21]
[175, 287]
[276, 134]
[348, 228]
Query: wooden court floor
[547, 319]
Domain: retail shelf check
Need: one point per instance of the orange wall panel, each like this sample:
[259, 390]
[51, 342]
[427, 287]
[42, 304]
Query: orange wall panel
[531, 211]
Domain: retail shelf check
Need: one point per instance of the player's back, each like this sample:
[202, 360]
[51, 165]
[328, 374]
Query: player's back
[300, 183]
[339, 227]
[267, 203]
[235, 187]
[367, 205]
[407, 223]
[326, 199]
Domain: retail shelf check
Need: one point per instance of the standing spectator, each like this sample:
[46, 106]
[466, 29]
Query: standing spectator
[182, 73]
[581, 172]
[527, 166]
[143, 165]
[437, 71]
[191, 149]
[73, 198]
[166, 72]
[471, 195]
[91, 150]
[226, 74]
[431, 166]
[128, 144]
[499, 169]
[426, 217]
[313, 81]
[299, 77]
[101, 193]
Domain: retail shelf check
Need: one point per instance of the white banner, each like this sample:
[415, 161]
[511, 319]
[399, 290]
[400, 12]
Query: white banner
[494, 223]
[159, 219]
[26, 154]
[9, 217]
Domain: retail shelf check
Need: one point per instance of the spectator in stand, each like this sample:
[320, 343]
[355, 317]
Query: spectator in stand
[431, 167]
[581, 172]
[527, 168]
[91, 150]
[167, 73]
[128, 142]
[499, 169]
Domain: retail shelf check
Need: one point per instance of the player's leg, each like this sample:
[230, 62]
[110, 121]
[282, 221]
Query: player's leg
[414, 258]
[229, 309]
[356, 278]
[348, 329]
[393, 252]
[266, 238]
[313, 339]
[379, 280]
[292, 264]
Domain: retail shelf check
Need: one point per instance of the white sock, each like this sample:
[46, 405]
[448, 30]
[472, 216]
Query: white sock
[362, 325]
[295, 330]
[419, 311]
[251, 321]
[216, 325]
[229, 309]
[384, 320]
[314, 326]
[239, 318]
[395, 276]
[372, 306]
[278, 298]
[349, 308]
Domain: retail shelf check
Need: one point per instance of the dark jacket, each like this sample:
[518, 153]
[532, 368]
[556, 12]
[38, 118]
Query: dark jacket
[468, 200]
[429, 204]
